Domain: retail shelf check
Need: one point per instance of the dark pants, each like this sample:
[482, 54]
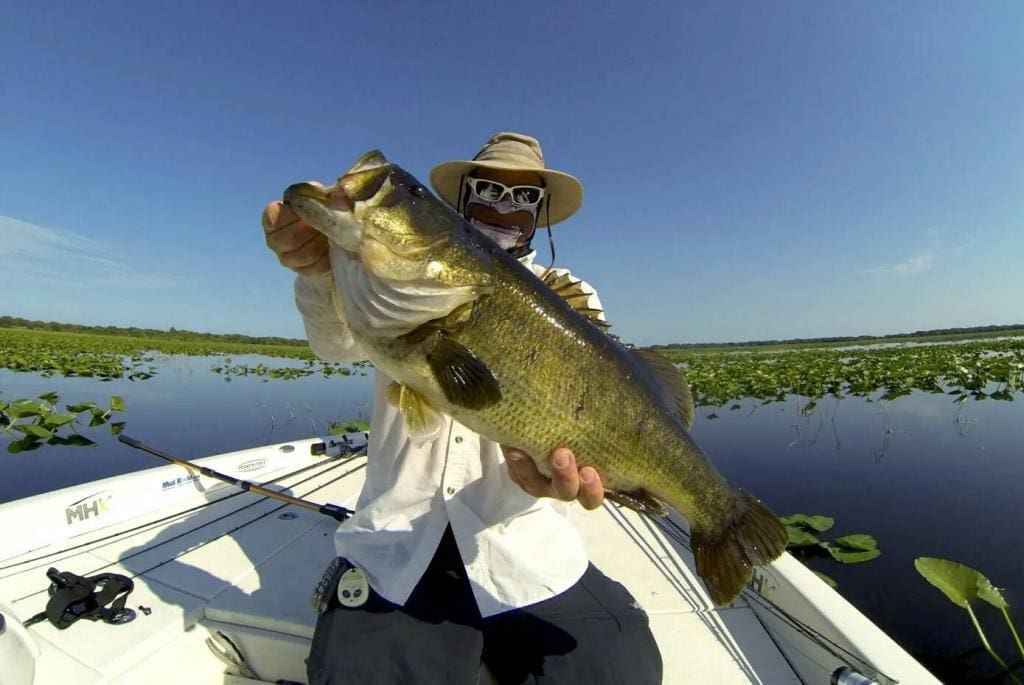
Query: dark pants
[592, 633]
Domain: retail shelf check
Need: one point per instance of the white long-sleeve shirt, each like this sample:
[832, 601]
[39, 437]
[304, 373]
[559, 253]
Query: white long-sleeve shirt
[518, 549]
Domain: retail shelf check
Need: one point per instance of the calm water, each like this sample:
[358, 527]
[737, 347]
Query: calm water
[185, 410]
[923, 476]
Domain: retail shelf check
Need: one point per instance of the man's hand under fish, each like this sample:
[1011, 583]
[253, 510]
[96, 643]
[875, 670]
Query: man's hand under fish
[567, 482]
[303, 249]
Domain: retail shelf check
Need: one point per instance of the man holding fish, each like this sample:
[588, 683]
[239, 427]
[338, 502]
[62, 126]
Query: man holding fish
[463, 546]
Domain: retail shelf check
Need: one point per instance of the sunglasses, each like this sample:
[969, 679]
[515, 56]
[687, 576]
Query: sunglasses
[492, 191]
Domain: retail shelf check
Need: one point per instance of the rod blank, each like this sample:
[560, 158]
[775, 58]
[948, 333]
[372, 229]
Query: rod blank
[332, 510]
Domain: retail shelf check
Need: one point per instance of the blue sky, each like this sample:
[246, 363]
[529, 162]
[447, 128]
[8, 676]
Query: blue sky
[752, 170]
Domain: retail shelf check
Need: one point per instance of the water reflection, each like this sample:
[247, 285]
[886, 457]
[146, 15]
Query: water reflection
[923, 475]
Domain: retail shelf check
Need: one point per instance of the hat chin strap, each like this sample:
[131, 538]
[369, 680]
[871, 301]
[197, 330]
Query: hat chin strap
[551, 240]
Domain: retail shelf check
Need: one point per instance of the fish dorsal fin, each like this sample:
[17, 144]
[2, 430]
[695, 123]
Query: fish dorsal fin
[571, 290]
[423, 422]
[671, 377]
[638, 500]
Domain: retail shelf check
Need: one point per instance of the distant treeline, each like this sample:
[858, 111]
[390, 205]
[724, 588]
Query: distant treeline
[170, 334]
[853, 339]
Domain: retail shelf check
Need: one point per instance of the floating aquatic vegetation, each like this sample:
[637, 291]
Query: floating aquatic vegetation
[963, 585]
[347, 426]
[117, 356]
[990, 369]
[31, 423]
[984, 369]
[804, 532]
[312, 367]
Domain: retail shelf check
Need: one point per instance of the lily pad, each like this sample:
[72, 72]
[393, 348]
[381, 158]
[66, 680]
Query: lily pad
[845, 555]
[958, 582]
[799, 537]
[991, 594]
[859, 541]
[814, 522]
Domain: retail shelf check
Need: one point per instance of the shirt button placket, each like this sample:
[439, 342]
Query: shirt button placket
[456, 459]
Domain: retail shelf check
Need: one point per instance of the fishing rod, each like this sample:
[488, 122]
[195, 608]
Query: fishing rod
[332, 510]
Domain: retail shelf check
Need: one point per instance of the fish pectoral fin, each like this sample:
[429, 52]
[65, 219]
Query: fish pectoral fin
[463, 377]
[672, 379]
[423, 422]
[638, 500]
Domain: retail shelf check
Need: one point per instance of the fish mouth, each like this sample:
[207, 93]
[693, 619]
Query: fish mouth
[366, 177]
[308, 191]
[328, 210]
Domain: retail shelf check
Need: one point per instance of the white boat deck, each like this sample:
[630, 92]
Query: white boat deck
[218, 559]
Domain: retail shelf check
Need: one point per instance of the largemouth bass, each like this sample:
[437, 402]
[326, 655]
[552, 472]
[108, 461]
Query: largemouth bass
[464, 329]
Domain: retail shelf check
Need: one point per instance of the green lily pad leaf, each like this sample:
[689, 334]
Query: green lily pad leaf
[859, 541]
[798, 537]
[343, 427]
[80, 407]
[50, 397]
[808, 408]
[991, 594]
[97, 420]
[814, 522]
[846, 556]
[116, 403]
[58, 420]
[958, 582]
[117, 427]
[22, 408]
[35, 430]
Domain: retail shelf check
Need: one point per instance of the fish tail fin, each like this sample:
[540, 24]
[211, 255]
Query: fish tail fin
[753, 536]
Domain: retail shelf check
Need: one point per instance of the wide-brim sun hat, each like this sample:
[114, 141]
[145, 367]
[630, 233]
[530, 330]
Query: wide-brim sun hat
[519, 152]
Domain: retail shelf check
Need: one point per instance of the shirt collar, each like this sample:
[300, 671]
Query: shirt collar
[527, 259]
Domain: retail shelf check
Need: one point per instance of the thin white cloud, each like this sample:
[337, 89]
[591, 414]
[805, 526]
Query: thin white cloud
[913, 266]
[31, 251]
